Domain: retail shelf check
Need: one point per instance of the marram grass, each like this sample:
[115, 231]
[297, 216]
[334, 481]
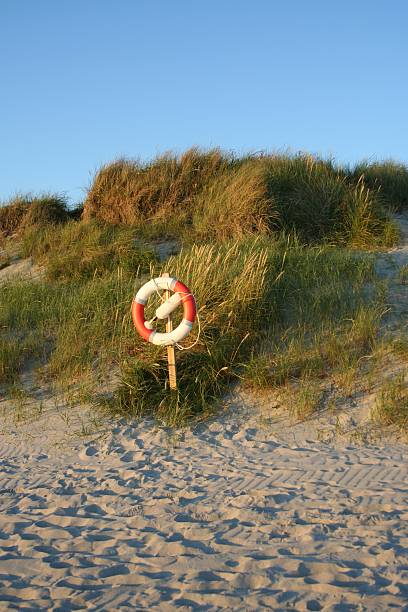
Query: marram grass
[217, 196]
[79, 250]
[252, 295]
[392, 403]
[266, 242]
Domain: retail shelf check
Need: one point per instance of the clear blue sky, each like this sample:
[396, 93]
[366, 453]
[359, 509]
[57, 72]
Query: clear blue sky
[85, 81]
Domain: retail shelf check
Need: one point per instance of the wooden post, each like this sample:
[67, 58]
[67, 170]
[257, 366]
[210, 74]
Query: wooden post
[171, 354]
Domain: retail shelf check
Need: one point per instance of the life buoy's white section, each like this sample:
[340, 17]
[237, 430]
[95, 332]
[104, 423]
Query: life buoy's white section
[168, 306]
[173, 337]
[161, 282]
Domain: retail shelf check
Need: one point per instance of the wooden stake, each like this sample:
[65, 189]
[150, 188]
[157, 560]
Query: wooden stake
[171, 354]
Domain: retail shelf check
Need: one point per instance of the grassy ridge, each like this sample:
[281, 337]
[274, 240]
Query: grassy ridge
[217, 196]
[282, 300]
[23, 212]
[204, 196]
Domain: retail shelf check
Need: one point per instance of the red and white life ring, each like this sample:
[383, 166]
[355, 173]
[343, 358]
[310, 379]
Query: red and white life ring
[182, 294]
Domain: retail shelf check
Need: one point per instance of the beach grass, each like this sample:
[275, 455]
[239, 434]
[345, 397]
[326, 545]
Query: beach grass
[217, 196]
[274, 248]
[79, 250]
[389, 178]
[28, 211]
[392, 403]
[279, 310]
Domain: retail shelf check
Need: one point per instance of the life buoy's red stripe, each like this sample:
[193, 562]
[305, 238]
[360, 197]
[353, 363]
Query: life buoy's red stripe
[188, 301]
[139, 320]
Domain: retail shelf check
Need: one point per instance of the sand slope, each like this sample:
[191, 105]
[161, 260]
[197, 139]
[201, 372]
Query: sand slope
[21, 268]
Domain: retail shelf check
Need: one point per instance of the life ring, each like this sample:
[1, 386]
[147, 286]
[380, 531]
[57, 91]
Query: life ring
[182, 294]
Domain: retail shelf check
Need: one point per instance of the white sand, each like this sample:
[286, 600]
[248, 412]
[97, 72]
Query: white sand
[226, 516]
[240, 513]
[21, 268]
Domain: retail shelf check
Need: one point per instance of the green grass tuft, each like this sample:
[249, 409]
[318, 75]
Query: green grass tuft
[79, 250]
[392, 403]
[389, 178]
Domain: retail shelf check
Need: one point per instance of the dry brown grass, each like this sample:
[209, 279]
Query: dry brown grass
[24, 212]
[129, 192]
[12, 215]
[235, 204]
[211, 195]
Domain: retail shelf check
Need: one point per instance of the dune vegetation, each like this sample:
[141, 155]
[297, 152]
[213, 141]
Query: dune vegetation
[276, 248]
[214, 196]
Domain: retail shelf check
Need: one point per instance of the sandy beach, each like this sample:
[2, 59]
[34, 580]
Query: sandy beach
[223, 516]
